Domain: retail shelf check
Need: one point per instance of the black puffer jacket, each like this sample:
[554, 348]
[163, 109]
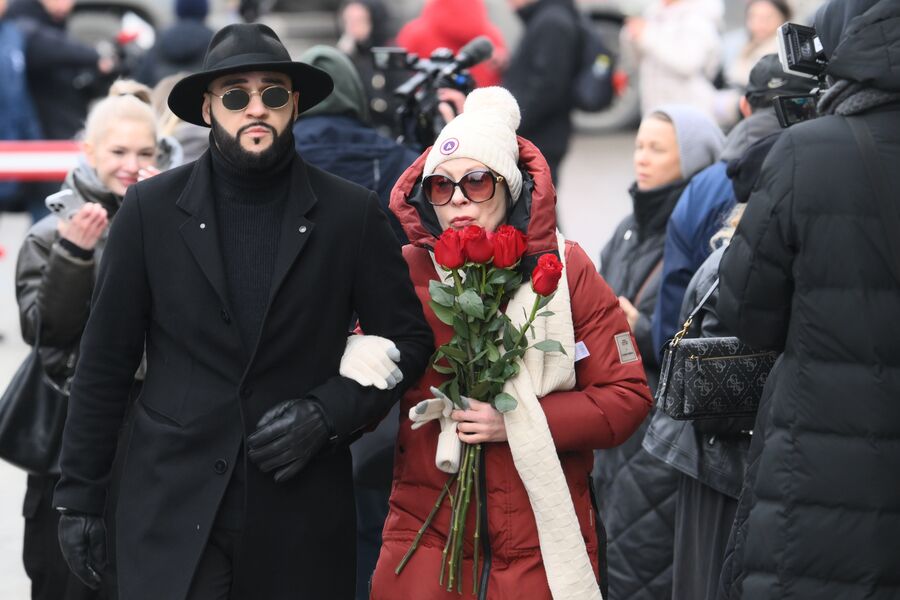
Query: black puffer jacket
[635, 491]
[811, 271]
[540, 75]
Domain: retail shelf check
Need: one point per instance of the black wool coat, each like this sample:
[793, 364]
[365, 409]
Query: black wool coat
[162, 280]
[811, 271]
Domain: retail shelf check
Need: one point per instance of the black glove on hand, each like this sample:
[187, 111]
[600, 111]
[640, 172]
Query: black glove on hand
[82, 539]
[287, 437]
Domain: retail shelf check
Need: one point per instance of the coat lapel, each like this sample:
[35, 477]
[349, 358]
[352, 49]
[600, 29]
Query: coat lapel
[296, 228]
[200, 231]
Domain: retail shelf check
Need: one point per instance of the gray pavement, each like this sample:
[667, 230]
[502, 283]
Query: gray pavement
[592, 200]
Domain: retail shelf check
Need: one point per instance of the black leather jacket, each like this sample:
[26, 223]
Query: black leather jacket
[715, 460]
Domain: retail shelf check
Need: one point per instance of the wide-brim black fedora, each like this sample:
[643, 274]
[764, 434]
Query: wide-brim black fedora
[246, 47]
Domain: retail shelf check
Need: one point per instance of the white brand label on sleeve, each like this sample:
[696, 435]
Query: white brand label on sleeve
[581, 351]
[625, 347]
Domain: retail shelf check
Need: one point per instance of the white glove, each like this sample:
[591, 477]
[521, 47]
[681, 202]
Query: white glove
[371, 361]
[449, 447]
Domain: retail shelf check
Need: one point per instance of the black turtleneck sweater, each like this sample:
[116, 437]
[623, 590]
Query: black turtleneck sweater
[249, 206]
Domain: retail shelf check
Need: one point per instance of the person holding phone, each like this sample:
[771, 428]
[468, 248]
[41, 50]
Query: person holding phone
[55, 276]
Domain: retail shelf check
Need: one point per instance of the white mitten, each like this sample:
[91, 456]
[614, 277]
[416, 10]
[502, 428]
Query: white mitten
[449, 447]
[371, 361]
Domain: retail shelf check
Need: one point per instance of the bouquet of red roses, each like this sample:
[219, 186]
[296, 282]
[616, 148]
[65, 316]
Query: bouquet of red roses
[481, 356]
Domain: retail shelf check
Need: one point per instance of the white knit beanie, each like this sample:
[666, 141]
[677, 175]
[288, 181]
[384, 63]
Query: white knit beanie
[486, 132]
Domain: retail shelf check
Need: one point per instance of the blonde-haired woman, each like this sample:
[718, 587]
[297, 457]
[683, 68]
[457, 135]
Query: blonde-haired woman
[55, 276]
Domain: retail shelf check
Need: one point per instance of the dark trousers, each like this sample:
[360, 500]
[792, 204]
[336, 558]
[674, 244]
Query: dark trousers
[212, 579]
[50, 576]
[703, 519]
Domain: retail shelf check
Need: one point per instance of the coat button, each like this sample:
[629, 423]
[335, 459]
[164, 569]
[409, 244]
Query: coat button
[221, 466]
[302, 229]
[225, 316]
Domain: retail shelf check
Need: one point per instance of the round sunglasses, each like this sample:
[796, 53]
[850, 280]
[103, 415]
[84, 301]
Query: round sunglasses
[476, 186]
[237, 99]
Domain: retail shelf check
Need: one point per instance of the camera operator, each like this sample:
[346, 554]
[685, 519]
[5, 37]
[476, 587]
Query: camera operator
[814, 270]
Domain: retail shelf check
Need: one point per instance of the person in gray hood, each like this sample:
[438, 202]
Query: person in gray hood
[814, 271]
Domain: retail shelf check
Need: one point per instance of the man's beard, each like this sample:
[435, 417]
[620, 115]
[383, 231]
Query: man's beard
[231, 147]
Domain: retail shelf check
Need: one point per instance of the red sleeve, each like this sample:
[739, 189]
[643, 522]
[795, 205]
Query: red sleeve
[611, 398]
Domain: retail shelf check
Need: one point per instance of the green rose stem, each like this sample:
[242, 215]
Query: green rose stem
[459, 290]
[477, 538]
[458, 528]
[534, 309]
[425, 525]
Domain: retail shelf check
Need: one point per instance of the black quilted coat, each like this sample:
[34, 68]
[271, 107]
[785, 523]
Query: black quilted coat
[811, 271]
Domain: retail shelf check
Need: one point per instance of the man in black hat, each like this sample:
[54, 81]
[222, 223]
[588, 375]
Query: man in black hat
[239, 274]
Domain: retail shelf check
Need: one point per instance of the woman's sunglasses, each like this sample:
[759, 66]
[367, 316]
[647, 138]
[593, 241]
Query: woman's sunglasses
[476, 186]
[237, 99]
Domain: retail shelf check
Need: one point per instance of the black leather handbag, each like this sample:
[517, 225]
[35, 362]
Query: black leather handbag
[32, 417]
[712, 377]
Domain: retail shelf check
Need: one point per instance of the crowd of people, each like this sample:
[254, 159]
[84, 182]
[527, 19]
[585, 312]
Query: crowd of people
[244, 309]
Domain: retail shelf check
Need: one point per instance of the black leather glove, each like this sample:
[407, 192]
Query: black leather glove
[82, 539]
[287, 437]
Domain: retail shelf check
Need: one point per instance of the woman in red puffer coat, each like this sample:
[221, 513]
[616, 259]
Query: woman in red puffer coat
[600, 397]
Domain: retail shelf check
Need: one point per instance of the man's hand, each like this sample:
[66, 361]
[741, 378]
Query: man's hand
[85, 227]
[82, 539]
[287, 437]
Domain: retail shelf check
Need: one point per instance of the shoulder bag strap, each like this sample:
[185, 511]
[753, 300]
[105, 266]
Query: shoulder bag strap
[653, 272]
[690, 319]
[890, 221]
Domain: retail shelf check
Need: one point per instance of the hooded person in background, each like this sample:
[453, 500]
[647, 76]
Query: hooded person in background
[636, 492]
[179, 47]
[709, 197]
[814, 271]
[338, 136]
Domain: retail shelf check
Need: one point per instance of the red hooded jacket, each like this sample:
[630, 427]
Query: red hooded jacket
[608, 403]
[453, 24]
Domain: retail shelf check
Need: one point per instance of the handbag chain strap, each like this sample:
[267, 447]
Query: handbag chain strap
[890, 221]
[690, 319]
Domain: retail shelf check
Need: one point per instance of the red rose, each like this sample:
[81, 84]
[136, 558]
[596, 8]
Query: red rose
[448, 251]
[477, 244]
[546, 274]
[509, 246]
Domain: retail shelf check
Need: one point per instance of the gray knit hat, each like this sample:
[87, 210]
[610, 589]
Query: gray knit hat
[700, 140]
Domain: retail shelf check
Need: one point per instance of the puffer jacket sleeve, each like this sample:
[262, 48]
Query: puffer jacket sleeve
[611, 398]
[54, 286]
[756, 283]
